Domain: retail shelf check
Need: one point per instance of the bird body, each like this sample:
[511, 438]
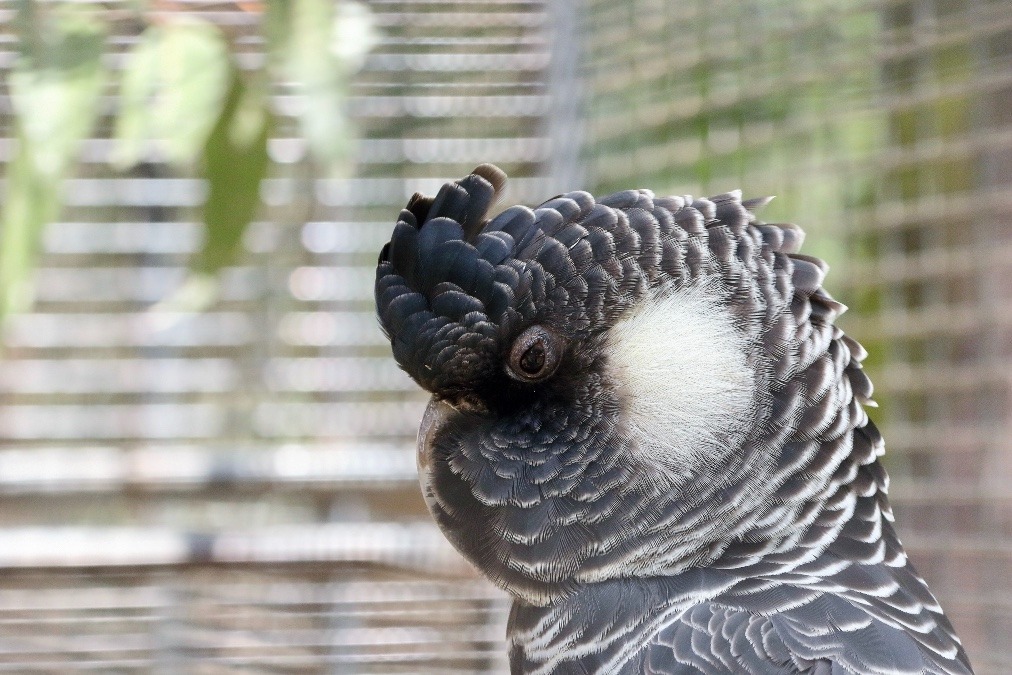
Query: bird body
[646, 427]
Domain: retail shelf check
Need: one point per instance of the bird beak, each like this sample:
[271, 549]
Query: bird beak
[435, 416]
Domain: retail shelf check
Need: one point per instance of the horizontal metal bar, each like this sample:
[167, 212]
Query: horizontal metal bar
[184, 468]
[419, 546]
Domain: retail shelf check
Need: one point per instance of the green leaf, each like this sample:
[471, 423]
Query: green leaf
[235, 161]
[32, 201]
[54, 88]
[172, 91]
[196, 294]
[354, 34]
[277, 28]
[55, 85]
[322, 85]
[317, 49]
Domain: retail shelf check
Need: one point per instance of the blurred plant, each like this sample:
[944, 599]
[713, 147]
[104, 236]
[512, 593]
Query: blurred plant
[183, 100]
[54, 89]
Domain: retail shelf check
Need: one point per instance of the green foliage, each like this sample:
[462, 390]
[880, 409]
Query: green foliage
[316, 49]
[235, 160]
[183, 100]
[742, 99]
[32, 201]
[172, 91]
[54, 90]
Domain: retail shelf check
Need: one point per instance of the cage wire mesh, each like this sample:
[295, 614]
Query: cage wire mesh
[235, 491]
[884, 129]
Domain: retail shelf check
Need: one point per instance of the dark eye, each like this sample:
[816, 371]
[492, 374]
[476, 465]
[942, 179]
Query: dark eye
[535, 355]
[533, 360]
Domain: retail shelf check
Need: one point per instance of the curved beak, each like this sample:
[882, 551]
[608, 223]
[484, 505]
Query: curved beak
[435, 416]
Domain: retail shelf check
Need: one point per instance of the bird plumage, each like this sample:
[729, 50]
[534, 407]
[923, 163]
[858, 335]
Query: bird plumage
[646, 427]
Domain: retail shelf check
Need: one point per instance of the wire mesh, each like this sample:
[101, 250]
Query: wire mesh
[884, 129]
[233, 491]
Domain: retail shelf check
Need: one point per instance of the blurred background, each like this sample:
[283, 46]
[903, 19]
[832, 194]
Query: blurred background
[206, 452]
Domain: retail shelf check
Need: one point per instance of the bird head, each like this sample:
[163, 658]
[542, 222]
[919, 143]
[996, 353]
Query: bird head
[604, 374]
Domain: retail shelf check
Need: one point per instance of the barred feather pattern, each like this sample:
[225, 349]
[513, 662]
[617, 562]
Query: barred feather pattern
[774, 552]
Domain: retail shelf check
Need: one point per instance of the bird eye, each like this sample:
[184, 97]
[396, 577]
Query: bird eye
[534, 356]
[533, 359]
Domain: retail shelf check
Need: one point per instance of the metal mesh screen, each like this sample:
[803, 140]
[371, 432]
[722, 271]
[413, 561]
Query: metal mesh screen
[234, 491]
[884, 129]
[275, 619]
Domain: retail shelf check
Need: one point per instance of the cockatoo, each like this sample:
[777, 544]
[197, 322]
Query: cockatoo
[647, 429]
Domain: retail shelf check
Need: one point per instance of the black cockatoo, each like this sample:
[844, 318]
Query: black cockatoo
[646, 428]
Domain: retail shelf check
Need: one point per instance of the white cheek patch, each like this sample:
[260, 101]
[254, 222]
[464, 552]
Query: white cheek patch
[683, 380]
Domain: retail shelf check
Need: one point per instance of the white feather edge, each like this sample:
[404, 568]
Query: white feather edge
[680, 365]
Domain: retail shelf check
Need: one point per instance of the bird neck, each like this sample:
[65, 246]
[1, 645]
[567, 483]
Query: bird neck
[603, 627]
